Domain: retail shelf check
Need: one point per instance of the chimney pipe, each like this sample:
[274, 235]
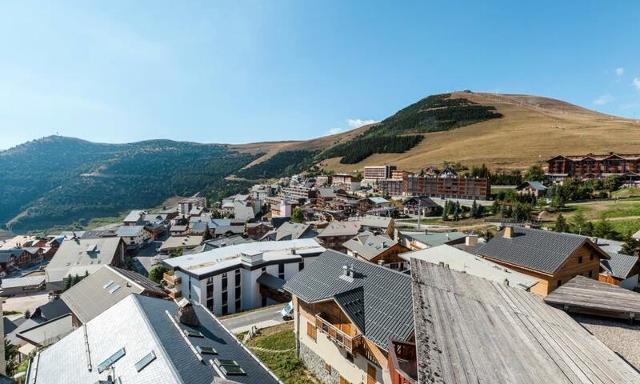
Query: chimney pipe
[508, 232]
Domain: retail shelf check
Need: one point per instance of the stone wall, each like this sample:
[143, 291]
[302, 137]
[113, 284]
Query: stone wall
[316, 365]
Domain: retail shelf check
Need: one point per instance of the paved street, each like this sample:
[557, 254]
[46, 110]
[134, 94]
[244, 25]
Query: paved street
[262, 318]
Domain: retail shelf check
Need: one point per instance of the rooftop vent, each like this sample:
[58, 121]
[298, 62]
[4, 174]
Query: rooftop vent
[186, 313]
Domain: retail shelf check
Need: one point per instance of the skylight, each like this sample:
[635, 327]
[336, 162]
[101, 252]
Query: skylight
[193, 333]
[230, 367]
[142, 363]
[111, 360]
[107, 284]
[114, 288]
[206, 350]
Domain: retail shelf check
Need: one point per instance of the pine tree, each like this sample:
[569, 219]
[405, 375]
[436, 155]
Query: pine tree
[561, 224]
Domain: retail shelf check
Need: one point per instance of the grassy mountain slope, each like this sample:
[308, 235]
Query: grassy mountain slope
[531, 129]
[60, 181]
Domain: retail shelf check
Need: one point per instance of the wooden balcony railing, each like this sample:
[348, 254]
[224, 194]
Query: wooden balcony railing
[170, 279]
[402, 362]
[174, 292]
[340, 338]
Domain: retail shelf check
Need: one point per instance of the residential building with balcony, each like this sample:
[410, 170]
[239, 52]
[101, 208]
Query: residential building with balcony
[594, 166]
[239, 277]
[346, 312]
[377, 172]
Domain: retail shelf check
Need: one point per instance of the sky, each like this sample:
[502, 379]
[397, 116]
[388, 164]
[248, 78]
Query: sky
[247, 71]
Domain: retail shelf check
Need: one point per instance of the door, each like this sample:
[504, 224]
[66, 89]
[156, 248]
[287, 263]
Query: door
[371, 374]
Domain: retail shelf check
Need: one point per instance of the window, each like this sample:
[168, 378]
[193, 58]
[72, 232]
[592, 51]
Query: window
[238, 292]
[301, 265]
[111, 360]
[579, 259]
[237, 278]
[238, 304]
[225, 297]
[224, 282]
[145, 361]
[281, 271]
[311, 331]
[225, 309]
[264, 269]
[206, 350]
[210, 293]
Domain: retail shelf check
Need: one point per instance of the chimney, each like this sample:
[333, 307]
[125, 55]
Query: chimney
[345, 270]
[508, 232]
[471, 240]
[506, 282]
[186, 314]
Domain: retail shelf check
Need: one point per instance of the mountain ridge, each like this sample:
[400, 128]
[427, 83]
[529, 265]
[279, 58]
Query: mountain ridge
[66, 181]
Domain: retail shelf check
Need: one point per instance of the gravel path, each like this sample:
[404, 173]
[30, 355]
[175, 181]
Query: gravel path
[619, 336]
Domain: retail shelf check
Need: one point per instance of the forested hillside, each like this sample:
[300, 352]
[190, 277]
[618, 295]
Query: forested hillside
[60, 181]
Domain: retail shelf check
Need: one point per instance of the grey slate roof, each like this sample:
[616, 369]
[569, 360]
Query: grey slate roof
[273, 282]
[472, 330]
[141, 325]
[368, 245]
[129, 230]
[378, 299]
[292, 231]
[536, 249]
[620, 266]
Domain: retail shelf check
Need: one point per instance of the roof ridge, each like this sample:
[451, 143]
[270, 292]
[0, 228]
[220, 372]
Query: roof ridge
[135, 298]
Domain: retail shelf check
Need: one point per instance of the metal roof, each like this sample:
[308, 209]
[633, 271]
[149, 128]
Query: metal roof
[433, 239]
[220, 258]
[140, 325]
[104, 288]
[536, 249]
[620, 266]
[75, 256]
[129, 230]
[377, 299]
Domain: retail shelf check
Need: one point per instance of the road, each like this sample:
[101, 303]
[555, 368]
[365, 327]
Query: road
[261, 318]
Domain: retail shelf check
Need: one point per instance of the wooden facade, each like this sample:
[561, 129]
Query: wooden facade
[585, 261]
[594, 166]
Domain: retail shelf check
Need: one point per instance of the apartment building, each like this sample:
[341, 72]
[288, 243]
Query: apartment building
[594, 166]
[377, 172]
[239, 277]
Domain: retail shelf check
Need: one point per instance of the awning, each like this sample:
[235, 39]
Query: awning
[271, 281]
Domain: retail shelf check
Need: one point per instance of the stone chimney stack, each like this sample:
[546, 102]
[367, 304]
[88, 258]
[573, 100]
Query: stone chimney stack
[508, 232]
[471, 240]
[186, 314]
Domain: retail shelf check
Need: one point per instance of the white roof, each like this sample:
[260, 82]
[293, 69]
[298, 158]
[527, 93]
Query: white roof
[25, 281]
[462, 261]
[220, 258]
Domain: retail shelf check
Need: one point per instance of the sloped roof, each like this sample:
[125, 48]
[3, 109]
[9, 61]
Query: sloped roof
[433, 239]
[377, 299]
[141, 325]
[472, 330]
[340, 228]
[78, 255]
[103, 289]
[368, 245]
[620, 266]
[129, 230]
[292, 231]
[538, 186]
[134, 216]
[273, 282]
[48, 332]
[462, 261]
[536, 249]
[372, 221]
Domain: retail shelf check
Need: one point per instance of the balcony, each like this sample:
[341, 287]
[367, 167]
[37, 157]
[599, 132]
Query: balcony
[174, 292]
[402, 363]
[171, 280]
[340, 338]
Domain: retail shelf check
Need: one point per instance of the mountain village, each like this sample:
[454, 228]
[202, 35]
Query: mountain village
[350, 269]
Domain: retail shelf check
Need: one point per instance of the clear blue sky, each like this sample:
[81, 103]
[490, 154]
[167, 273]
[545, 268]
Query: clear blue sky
[245, 71]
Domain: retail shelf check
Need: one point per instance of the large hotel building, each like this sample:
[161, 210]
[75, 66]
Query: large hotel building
[594, 166]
